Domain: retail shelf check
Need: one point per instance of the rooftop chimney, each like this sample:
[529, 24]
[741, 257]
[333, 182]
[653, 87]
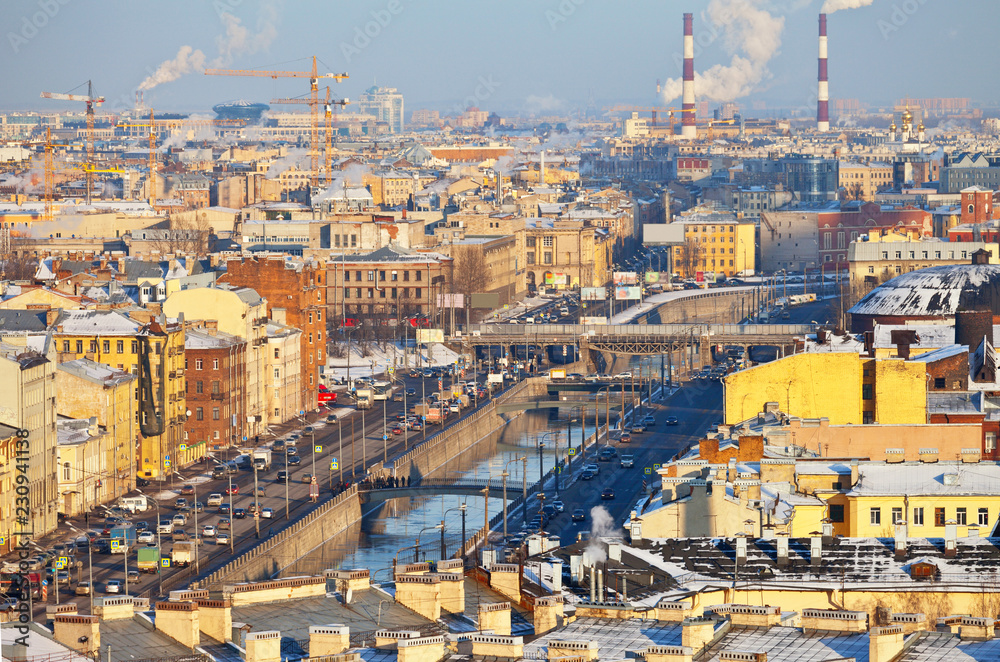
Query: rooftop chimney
[689, 130]
[823, 97]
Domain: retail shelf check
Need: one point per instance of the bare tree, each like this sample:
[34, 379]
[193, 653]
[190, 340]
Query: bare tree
[184, 236]
[689, 259]
[470, 275]
[16, 259]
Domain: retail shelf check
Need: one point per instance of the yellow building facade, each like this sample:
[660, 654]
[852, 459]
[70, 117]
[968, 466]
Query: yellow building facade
[863, 180]
[841, 386]
[725, 247]
[154, 352]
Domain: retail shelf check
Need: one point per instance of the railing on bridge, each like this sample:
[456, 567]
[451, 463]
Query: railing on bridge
[476, 483]
[529, 331]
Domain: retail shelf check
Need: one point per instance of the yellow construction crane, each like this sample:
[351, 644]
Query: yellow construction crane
[313, 77]
[328, 104]
[91, 101]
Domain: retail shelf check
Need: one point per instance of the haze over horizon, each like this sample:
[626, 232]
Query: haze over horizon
[546, 57]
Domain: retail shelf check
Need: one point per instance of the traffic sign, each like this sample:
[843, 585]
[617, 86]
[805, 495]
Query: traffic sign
[164, 563]
[184, 447]
[647, 471]
[656, 467]
[385, 437]
[319, 449]
[115, 544]
[166, 464]
[333, 465]
[572, 452]
[45, 582]
[256, 514]
[3, 540]
[63, 560]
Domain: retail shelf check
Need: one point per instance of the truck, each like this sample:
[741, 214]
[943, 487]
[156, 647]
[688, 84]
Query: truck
[148, 559]
[364, 398]
[262, 459]
[381, 390]
[437, 414]
[182, 553]
[124, 534]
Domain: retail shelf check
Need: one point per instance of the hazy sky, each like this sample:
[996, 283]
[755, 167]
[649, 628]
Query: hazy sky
[507, 55]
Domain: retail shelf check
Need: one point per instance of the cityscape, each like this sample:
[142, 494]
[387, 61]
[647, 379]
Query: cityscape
[556, 330]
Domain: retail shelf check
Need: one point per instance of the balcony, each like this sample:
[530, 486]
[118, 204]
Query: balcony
[218, 396]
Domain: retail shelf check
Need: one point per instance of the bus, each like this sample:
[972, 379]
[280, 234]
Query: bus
[381, 390]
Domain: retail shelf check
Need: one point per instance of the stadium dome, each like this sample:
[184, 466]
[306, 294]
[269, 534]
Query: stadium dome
[935, 293]
[240, 110]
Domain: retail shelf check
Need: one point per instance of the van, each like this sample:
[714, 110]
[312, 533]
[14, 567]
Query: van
[137, 504]
[529, 320]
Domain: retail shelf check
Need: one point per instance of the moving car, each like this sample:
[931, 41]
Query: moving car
[578, 515]
[208, 531]
[214, 499]
[608, 493]
[113, 586]
[671, 420]
[559, 506]
[83, 588]
[232, 490]
[222, 538]
[146, 537]
[266, 513]
[240, 513]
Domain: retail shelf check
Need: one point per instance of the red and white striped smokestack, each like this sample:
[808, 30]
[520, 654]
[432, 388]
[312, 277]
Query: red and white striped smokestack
[689, 129]
[823, 98]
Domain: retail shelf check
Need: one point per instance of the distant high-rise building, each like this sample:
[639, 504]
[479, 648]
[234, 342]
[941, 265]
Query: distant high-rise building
[386, 104]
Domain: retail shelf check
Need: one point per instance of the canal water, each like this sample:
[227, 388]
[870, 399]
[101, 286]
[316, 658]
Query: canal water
[394, 529]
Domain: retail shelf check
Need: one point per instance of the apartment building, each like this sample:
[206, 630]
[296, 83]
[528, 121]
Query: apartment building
[216, 388]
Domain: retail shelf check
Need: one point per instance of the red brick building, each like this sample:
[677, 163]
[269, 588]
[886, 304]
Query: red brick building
[216, 388]
[295, 291]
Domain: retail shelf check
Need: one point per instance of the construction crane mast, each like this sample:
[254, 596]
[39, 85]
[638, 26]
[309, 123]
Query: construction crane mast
[49, 175]
[313, 100]
[152, 159]
[91, 101]
[328, 104]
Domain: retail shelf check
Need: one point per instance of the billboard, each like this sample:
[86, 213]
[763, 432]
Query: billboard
[627, 293]
[593, 293]
[489, 300]
[593, 320]
[656, 277]
[430, 335]
[451, 301]
[556, 279]
[626, 278]
[662, 234]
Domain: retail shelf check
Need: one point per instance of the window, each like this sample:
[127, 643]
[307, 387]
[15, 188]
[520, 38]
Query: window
[199, 364]
[394, 276]
[135, 347]
[827, 241]
[199, 414]
[841, 238]
[215, 413]
[837, 513]
[215, 364]
[406, 276]
[199, 387]
[65, 345]
[547, 257]
[92, 346]
[991, 442]
[277, 373]
[939, 382]
[354, 240]
[960, 516]
[875, 515]
[867, 417]
[357, 276]
[547, 241]
[120, 346]
[106, 346]
[276, 350]
[381, 276]
[984, 517]
[216, 386]
[897, 515]
[939, 517]
[347, 276]
[371, 276]
[419, 275]
[418, 290]
[866, 391]
[918, 517]
[530, 255]
[66, 471]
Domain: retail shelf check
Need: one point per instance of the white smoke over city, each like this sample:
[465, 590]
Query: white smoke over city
[237, 40]
[831, 6]
[294, 158]
[752, 35]
[352, 175]
[602, 525]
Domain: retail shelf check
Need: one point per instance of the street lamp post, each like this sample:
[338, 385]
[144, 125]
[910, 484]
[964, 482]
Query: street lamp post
[555, 465]
[444, 553]
[416, 553]
[504, 475]
[159, 543]
[90, 557]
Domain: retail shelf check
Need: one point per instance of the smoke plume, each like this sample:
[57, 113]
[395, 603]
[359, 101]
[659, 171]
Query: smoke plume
[602, 525]
[831, 6]
[294, 157]
[237, 40]
[752, 35]
[352, 175]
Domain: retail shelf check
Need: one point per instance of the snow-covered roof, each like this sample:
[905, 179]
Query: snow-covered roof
[923, 479]
[935, 291]
[91, 322]
[928, 335]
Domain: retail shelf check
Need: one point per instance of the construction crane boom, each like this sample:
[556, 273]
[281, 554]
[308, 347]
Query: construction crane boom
[328, 103]
[91, 101]
[313, 75]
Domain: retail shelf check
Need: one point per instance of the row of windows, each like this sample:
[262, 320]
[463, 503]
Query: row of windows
[548, 241]
[199, 387]
[546, 257]
[730, 239]
[393, 276]
[199, 414]
[105, 346]
[392, 292]
[896, 514]
[913, 255]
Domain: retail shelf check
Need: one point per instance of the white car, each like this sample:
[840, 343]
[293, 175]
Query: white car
[165, 526]
[179, 519]
[222, 538]
[113, 586]
[214, 500]
[208, 531]
[266, 513]
[146, 537]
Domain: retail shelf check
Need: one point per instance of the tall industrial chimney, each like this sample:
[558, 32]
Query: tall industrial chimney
[823, 99]
[541, 170]
[689, 129]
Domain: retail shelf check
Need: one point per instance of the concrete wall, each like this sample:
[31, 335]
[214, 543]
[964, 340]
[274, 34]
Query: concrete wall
[268, 559]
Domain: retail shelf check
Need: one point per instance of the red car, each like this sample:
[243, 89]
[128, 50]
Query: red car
[234, 489]
[397, 430]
